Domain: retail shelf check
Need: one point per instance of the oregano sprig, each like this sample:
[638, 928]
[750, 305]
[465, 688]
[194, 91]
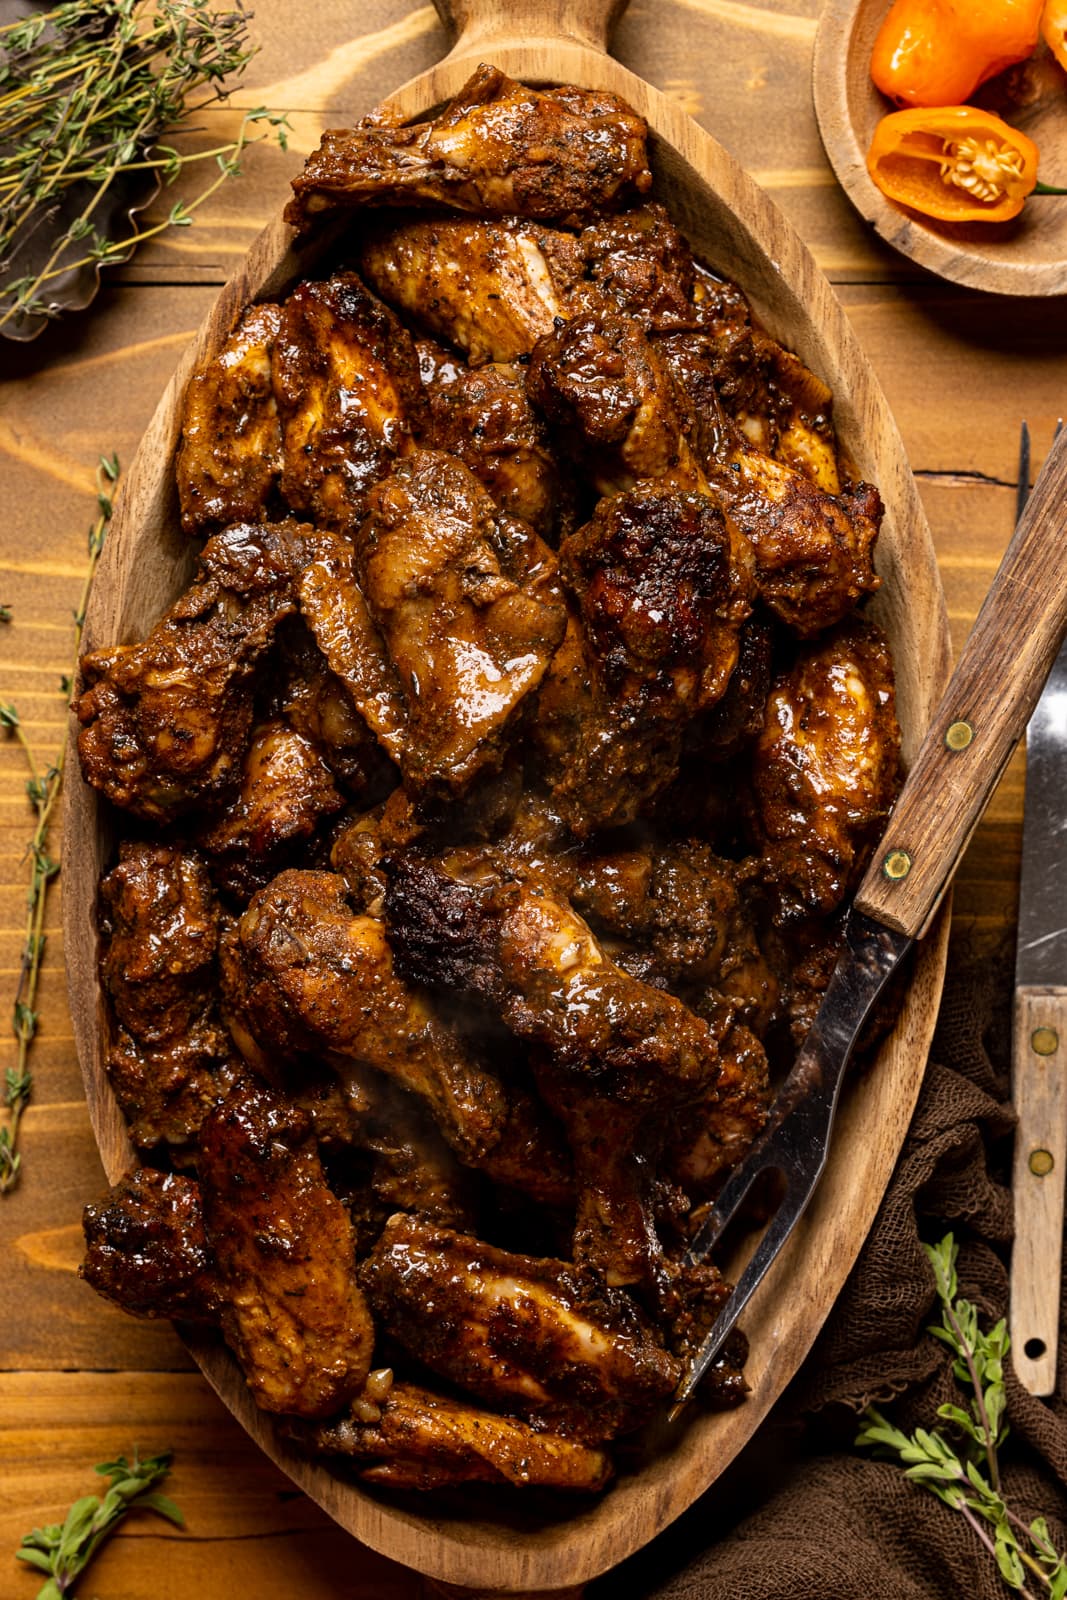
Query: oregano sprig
[42, 790]
[969, 1479]
[63, 1551]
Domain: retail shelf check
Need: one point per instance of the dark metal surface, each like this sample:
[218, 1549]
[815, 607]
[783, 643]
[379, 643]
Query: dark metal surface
[797, 1136]
[1041, 949]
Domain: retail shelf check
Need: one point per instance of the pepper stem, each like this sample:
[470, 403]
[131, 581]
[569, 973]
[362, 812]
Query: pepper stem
[1047, 188]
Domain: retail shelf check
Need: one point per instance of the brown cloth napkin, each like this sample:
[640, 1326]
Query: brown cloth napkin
[832, 1522]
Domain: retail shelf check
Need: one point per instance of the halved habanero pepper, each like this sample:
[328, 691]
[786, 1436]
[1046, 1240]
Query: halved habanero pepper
[955, 163]
[937, 52]
[1054, 29]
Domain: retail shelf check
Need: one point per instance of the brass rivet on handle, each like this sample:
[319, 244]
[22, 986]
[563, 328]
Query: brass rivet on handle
[958, 735]
[897, 864]
[1041, 1163]
[1044, 1041]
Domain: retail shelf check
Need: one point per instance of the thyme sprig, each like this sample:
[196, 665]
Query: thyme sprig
[42, 789]
[89, 91]
[64, 1550]
[969, 1480]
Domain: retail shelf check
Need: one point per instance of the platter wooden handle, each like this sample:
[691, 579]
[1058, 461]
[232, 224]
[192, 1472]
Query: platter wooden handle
[981, 717]
[1039, 1069]
[488, 25]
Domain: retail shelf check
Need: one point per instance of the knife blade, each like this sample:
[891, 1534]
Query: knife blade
[974, 730]
[1039, 1031]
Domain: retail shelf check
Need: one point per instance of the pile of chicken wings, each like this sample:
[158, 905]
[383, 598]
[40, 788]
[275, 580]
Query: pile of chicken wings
[492, 796]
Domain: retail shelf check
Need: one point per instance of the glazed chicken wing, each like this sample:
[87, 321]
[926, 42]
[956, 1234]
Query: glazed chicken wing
[825, 770]
[169, 1060]
[535, 1336]
[422, 1440]
[814, 546]
[285, 1261]
[497, 148]
[483, 416]
[611, 402]
[346, 379]
[165, 722]
[231, 451]
[286, 790]
[468, 605]
[146, 1248]
[491, 289]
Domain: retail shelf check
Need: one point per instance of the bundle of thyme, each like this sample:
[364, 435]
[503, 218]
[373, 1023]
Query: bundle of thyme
[42, 789]
[89, 92]
[968, 1478]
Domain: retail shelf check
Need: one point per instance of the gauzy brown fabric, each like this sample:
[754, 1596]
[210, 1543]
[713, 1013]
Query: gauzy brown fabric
[831, 1522]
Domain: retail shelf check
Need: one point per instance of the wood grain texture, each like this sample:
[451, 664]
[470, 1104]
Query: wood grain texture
[735, 227]
[959, 370]
[1039, 1053]
[984, 712]
[1027, 256]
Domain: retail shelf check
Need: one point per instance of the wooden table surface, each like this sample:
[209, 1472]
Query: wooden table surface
[79, 1381]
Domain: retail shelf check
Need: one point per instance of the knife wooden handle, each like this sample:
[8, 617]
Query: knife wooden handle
[984, 712]
[1039, 1060]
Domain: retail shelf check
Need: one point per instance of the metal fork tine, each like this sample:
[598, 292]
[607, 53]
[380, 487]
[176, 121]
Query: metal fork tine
[778, 1229]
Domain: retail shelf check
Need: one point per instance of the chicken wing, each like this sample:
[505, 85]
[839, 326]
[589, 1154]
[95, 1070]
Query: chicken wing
[286, 791]
[346, 380]
[422, 1440]
[497, 148]
[483, 416]
[291, 1310]
[491, 289]
[814, 545]
[230, 457]
[533, 1336]
[612, 1054]
[165, 722]
[147, 1251]
[662, 586]
[611, 402]
[303, 974]
[825, 770]
[467, 602]
[316, 704]
[169, 1061]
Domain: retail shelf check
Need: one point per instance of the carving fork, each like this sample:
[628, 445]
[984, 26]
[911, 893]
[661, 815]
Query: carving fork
[974, 730]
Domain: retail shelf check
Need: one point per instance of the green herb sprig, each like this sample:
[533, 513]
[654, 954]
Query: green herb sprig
[969, 1480]
[89, 91]
[42, 789]
[63, 1551]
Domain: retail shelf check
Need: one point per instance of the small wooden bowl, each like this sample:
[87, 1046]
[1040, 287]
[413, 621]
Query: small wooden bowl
[486, 1544]
[1027, 256]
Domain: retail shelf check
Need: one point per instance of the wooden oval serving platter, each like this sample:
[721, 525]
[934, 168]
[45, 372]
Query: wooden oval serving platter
[1027, 256]
[736, 228]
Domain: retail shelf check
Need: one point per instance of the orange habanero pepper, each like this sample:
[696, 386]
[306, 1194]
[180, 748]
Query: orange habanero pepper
[1054, 29]
[937, 52]
[955, 163]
